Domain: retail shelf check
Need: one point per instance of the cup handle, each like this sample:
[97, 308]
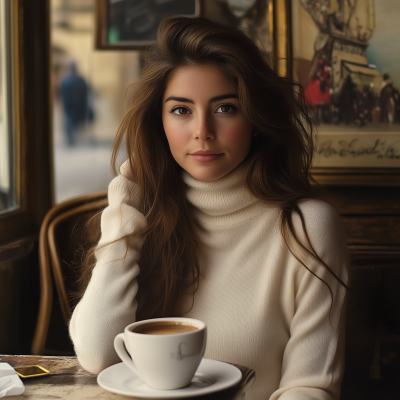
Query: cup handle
[123, 355]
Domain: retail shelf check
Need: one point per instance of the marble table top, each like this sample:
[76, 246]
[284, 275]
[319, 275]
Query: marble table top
[69, 381]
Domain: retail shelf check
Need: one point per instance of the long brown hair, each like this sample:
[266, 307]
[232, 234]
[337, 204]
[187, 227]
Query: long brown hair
[277, 166]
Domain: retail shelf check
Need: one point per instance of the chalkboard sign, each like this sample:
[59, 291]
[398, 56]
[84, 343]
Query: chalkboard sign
[133, 24]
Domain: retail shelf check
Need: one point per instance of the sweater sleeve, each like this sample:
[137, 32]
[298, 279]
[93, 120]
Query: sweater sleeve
[313, 360]
[109, 302]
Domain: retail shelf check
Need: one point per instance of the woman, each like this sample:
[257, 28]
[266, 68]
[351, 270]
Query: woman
[216, 210]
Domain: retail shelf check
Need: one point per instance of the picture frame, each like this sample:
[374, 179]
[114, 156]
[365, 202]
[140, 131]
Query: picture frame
[133, 24]
[255, 17]
[338, 53]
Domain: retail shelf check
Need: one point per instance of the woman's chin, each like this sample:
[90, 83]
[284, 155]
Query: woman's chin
[208, 174]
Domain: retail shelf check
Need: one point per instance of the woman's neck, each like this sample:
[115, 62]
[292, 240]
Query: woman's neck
[222, 202]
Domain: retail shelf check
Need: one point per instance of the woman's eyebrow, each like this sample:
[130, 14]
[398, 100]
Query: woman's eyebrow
[224, 96]
[180, 99]
[216, 98]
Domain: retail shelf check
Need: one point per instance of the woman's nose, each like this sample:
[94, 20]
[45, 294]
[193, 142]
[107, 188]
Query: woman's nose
[203, 130]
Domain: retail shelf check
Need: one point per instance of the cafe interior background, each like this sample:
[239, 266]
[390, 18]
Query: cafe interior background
[345, 53]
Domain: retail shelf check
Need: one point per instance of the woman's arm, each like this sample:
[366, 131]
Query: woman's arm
[313, 361]
[109, 303]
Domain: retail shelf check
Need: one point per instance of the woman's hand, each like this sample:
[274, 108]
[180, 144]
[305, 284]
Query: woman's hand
[126, 171]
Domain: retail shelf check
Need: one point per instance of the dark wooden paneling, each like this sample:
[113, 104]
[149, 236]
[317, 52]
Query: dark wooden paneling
[373, 331]
[367, 200]
[377, 230]
[382, 177]
[370, 214]
[19, 295]
[371, 218]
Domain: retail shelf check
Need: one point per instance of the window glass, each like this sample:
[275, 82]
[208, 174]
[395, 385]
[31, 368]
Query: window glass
[7, 133]
[88, 99]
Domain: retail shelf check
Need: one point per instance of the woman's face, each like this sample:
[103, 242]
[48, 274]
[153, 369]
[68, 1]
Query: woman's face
[206, 129]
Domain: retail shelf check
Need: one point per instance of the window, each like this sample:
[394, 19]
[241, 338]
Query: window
[88, 88]
[8, 186]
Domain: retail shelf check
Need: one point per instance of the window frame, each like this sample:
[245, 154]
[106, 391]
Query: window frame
[10, 107]
[30, 116]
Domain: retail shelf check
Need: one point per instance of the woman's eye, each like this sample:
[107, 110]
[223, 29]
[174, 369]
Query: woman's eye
[225, 109]
[180, 111]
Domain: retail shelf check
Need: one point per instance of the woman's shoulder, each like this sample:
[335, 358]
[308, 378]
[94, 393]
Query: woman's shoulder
[326, 234]
[122, 189]
[321, 220]
[316, 209]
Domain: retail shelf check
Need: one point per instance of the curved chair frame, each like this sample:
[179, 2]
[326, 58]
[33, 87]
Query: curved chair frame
[50, 265]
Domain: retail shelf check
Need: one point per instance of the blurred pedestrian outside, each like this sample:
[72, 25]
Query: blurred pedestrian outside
[77, 105]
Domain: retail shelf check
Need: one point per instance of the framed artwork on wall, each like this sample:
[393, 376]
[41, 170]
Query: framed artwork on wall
[133, 24]
[266, 21]
[253, 16]
[343, 55]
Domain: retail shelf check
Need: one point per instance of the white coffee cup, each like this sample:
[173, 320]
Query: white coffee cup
[164, 352]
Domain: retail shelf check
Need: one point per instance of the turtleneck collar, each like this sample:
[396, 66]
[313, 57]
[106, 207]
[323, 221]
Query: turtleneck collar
[223, 202]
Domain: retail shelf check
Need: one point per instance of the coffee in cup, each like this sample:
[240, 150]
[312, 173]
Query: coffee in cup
[164, 352]
[164, 328]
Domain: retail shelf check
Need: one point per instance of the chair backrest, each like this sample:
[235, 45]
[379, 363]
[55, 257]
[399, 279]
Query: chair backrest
[69, 236]
[67, 231]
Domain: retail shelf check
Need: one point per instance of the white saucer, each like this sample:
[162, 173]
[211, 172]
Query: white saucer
[211, 376]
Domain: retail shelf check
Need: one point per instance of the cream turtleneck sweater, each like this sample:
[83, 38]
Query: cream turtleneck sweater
[263, 309]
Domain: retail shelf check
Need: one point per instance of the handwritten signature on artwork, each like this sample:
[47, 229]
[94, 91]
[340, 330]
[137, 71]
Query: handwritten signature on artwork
[180, 354]
[344, 148]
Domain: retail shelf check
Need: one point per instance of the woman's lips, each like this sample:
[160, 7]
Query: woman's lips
[206, 157]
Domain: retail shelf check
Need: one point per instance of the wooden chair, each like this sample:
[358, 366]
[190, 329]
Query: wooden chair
[64, 235]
